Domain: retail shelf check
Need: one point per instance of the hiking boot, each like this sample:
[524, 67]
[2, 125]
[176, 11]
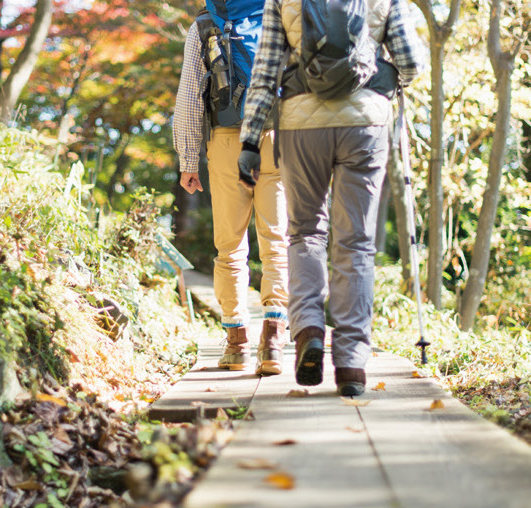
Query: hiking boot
[269, 355]
[309, 360]
[237, 353]
[350, 381]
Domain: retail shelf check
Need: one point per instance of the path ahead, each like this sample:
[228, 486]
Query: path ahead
[391, 451]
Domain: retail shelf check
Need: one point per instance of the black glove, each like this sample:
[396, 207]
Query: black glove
[249, 165]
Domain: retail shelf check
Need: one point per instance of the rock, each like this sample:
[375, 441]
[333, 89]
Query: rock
[111, 317]
[9, 385]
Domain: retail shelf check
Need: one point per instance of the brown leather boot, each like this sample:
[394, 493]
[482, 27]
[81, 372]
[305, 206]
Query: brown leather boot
[269, 355]
[237, 352]
[350, 381]
[309, 361]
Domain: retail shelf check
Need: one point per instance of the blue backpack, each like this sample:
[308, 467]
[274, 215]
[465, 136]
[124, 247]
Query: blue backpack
[230, 31]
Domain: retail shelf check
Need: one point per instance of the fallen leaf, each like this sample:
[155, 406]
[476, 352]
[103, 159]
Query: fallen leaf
[44, 397]
[221, 414]
[285, 442]
[249, 416]
[437, 404]
[61, 434]
[379, 387]
[60, 447]
[204, 367]
[29, 485]
[257, 464]
[197, 403]
[298, 393]
[281, 480]
[415, 374]
[211, 389]
[352, 429]
[374, 353]
[354, 402]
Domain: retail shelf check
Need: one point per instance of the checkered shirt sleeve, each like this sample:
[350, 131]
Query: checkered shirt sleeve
[189, 106]
[262, 90]
[404, 45]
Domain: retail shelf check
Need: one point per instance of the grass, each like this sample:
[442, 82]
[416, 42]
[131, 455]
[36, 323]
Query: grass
[489, 369]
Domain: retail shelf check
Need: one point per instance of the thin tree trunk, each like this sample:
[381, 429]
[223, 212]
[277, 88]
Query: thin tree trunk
[398, 189]
[180, 211]
[435, 191]
[503, 65]
[122, 162]
[23, 67]
[439, 34]
[383, 213]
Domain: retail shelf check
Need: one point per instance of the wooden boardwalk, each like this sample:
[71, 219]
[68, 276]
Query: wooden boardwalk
[390, 451]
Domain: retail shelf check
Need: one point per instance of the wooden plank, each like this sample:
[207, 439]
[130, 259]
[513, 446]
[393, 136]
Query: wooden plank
[331, 460]
[449, 457]
[208, 386]
[205, 383]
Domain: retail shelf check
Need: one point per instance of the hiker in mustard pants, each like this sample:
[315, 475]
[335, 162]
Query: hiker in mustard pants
[216, 71]
[343, 134]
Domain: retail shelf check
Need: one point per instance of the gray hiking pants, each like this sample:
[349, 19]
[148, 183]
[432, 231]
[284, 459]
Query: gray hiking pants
[356, 158]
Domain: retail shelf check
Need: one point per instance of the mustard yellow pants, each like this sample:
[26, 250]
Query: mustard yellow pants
[232, 207]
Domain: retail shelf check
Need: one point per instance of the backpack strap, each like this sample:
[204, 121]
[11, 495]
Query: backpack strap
[276, 106]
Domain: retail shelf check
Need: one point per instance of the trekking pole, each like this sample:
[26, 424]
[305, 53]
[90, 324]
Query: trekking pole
[401, 131]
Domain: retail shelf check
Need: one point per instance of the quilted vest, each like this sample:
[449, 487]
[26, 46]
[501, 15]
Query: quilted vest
[363, 107]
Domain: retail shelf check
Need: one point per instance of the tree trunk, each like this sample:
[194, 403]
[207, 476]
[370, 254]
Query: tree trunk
[121, 163]
[438, 36]
[503, 65]
[526, 134]
[398, 189]
[435, 191]
[383, 213]
[23, 67]
[179, 214]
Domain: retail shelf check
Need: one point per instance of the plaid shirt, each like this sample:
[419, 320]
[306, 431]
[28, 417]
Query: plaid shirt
[401, 41]
[189, 106]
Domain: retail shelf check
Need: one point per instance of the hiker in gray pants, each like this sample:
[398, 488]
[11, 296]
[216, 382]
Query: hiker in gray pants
[339, 140]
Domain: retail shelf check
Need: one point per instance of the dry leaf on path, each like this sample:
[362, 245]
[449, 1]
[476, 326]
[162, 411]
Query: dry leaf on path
[197, 403]
[29, 485]
[379, 387]
[298, 393]
[281, 480]
[352, 429]
[285, 442]
[354, 402]
[221, 414]
[211, 389]
[44, 397]
[416, 374]
[257, 464]
[436, 404]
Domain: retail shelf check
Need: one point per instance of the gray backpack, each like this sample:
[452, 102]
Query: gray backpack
[337, 56]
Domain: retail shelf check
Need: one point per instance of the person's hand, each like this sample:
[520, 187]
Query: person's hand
[190, 182]
[249, 167]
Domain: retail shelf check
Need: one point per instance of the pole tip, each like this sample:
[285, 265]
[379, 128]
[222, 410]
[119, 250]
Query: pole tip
[423, 343]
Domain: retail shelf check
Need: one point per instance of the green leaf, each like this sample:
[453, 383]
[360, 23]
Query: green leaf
[54, 502]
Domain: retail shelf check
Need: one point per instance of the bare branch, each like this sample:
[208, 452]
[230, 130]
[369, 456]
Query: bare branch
[520, 41]
[426, 8]
[453, 15]
[493, 43]
[23, 67]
